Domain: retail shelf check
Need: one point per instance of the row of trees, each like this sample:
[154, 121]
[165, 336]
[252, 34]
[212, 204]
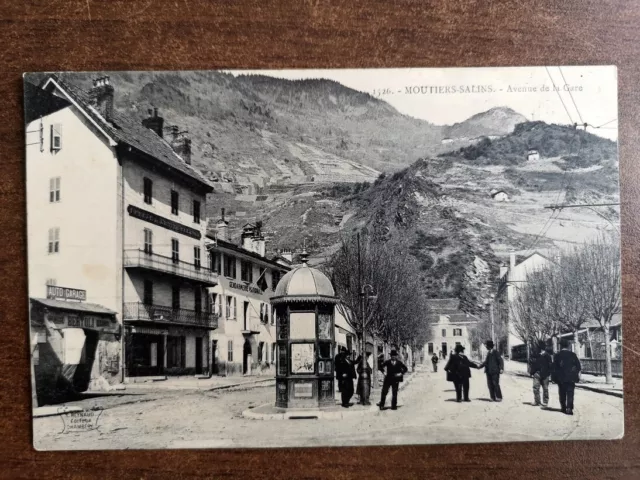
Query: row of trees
[377, 287]
[581, 285]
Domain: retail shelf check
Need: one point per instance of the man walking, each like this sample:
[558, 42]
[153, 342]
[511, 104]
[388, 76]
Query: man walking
[434, 361]
[493, 367]
[540, 371]
[395, 369]
[346, 373]
[566, 373]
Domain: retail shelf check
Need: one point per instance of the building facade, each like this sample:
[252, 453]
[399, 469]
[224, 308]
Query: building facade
[449, 327]
[511, 278]
[114, 213]
[245, 341]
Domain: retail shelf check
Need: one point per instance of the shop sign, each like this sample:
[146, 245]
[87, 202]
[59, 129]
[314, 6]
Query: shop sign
[91, 322]
[245, 288]
[63, 293]
[141, 214]
[303, 390]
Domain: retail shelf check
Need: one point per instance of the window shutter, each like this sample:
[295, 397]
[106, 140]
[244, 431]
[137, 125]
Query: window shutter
[51, 138]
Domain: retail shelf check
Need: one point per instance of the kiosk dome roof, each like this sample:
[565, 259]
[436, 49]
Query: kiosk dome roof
[305, 284]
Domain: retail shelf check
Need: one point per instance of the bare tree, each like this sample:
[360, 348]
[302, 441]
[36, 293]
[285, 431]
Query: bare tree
[599, 285]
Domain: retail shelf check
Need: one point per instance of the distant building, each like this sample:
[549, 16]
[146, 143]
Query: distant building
[449, 327]
[533, 155]
[500, 196]
[245, 340]
[510, 280]
[446, 141]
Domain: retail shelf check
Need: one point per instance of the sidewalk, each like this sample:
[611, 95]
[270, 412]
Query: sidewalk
[203, 384]
[595, 383]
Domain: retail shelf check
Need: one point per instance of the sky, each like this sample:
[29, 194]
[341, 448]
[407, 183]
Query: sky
[585, 94]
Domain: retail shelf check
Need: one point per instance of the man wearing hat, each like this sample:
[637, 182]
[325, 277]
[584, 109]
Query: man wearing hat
[395, 369]
[345, 373]
[493, 367]
[540, 371]
[566, 373]
[458, 370]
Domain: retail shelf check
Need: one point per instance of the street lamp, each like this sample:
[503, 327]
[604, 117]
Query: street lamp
[364, 380]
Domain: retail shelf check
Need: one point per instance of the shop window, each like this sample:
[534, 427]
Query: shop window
[175, 352]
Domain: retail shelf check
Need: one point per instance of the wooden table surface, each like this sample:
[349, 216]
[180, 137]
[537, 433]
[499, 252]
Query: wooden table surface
[39, 35]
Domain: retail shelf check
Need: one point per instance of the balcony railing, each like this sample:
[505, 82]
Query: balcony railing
[168, 315]
[136, 258]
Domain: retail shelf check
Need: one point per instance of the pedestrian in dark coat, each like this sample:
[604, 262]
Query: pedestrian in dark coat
[346, 373]
[566, 373]
[458, 370]
[394, 370]
[434, 361]
[541, 368]
[493, 367]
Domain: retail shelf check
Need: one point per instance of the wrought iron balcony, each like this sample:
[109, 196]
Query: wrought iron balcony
[172, 316]
[137, 258]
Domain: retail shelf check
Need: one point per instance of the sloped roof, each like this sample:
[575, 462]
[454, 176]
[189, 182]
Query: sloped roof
[130, 131]
[615, 321]
[444, 306]
[74, 306]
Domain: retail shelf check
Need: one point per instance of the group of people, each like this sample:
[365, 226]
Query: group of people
[563, 369]
[393, 370]
[459, 367]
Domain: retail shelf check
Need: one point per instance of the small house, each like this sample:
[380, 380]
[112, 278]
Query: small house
[533, 155]
[499, 196]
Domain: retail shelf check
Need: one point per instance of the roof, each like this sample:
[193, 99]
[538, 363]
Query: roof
[38, 102]
[615, 321]
[243, 251]
[444, 306]
[129, 131]
[74, 306]
[461, 317]
[497, 192]
[304, 284]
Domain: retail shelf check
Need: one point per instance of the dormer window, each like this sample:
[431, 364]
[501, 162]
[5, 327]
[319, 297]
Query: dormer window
[56, 137]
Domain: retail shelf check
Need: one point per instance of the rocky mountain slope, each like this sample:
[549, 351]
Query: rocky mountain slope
[494, 122]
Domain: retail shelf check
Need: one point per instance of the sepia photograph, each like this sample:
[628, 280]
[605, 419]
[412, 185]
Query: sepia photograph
[338, 257]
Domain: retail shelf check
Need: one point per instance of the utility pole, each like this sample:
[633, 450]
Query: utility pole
[363, 362]
[493, 336]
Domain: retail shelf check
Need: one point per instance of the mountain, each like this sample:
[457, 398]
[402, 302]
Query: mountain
[494, 122]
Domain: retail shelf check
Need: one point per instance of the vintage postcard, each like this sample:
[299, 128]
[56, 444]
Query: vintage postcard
[295, 258]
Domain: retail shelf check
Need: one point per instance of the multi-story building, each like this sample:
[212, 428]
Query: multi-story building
[511, 278]
[449, 327]
[245, 340]
[114, 215]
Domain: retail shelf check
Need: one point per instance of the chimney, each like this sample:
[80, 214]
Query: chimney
[154, 122]
[101, 97]
[287, 255]
[180, 143]
[512, 260]
[222, 228]
[247, 238]
[259, 244]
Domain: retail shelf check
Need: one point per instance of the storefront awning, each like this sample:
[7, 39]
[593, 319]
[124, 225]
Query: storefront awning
[59, 314]
[74, 306]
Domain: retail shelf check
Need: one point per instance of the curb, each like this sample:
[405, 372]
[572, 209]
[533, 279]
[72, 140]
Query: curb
[41, 412]
[613, 393]
[307, 414]
[224, 387]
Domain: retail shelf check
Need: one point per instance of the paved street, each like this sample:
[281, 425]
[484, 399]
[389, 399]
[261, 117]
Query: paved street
[427, 413]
